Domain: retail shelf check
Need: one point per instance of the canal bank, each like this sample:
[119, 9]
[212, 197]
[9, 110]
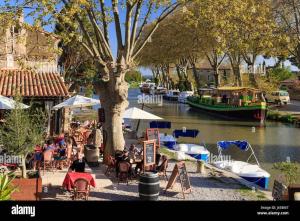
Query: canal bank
[273, 143]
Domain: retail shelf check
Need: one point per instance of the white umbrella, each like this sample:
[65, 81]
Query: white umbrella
[9, 104]
[136, 113]
[77, 101]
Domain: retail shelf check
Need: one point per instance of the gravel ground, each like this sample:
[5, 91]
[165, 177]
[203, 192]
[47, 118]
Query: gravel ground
[204, 187]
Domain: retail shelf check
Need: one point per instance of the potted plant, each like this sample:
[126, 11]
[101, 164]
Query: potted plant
[6, 188]
[22, 130]
[290, 172]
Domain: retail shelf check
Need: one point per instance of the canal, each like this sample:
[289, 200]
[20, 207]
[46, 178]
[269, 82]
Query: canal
[273, 143]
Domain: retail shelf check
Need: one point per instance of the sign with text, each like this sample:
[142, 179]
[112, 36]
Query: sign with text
[153, 134]
[180, 172]
[149, 152]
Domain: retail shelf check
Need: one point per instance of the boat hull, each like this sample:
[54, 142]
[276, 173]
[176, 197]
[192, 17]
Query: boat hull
[260, 181]
[255, 113]
[203, 157]
[170, 98]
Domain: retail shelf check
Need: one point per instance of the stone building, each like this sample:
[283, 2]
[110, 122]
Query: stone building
[28, 66]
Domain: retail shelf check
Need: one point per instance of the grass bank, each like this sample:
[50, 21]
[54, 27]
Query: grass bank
[281, 116]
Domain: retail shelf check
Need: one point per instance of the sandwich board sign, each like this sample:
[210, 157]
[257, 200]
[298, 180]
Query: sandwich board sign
[180, 172]
[149, 153]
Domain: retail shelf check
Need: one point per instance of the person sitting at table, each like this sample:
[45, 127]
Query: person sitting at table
[69, 149]
[49, 145]
[132, 151]
[78, 164]
[37, 157]
[159, 167]
[60, 157]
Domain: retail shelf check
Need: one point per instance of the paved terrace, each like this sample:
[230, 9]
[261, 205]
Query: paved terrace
[213, 185]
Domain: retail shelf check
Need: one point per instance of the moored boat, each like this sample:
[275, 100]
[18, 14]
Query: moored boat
[184, 95]
[250, 172]
[233, 102]
[172, 95]
[197, 151]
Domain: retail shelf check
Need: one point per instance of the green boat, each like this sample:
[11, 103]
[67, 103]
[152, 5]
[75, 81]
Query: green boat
[232, 102]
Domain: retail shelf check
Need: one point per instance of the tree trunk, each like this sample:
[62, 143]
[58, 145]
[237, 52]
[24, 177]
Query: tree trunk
[24, 171]
[113, 96]
[217, 77]
[196, 77]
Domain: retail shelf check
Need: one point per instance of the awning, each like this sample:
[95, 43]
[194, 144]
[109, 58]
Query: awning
[242, 144]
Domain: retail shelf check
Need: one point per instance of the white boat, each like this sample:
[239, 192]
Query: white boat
[172, 95]
[158, 90]
[184, 95]
[194, 150]
[167, 140]
[251, 172]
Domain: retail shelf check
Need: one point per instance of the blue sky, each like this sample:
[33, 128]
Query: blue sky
[113, 40]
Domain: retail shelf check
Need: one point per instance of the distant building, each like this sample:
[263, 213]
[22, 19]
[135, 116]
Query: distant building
[206, 73]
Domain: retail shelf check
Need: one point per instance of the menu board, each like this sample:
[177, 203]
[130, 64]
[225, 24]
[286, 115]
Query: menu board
[183, 177]
[180, 172]
[149, 152]
[153, 134]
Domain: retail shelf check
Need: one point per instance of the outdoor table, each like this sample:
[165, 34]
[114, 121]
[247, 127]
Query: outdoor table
[71, 177]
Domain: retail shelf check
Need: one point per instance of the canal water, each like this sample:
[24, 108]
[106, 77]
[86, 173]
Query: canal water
[273, 143]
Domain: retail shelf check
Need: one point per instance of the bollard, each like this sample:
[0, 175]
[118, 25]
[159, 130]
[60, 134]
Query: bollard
[200, 167]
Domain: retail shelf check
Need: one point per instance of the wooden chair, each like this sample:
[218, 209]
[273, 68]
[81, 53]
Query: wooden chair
[48, 161]
[81, 189]
[292, 189]
[162, 171]
[111, 166]
[124, 171]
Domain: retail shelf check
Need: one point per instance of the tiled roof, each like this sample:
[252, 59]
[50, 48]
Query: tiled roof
[31, 84]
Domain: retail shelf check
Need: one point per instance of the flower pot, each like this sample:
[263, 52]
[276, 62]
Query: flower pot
[27, 189]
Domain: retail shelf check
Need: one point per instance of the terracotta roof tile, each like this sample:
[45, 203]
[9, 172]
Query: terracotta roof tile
[31, 84]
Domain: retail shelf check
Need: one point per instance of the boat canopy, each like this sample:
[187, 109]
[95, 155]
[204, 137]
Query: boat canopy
[185, 133]
[242, 144]
[160, 124]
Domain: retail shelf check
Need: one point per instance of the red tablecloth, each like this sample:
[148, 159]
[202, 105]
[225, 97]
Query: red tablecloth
[71, 177]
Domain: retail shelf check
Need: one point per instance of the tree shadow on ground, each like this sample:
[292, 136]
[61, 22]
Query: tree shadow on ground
[113, 196]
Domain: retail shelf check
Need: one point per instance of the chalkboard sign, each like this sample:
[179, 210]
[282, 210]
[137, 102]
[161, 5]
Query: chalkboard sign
[153, 134]
[149, 152]
[180, 172]
[278, 190]
[183, 177]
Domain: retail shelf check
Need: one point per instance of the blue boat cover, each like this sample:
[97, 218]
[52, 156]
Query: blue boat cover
[187, 133]
[242, 144]
[160, 124]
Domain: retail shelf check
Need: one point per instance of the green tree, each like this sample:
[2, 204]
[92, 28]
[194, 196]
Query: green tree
[22, 130]
[134, 76]
[111, 69]
[280, 74]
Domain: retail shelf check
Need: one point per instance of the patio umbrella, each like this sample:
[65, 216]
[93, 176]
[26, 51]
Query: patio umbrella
[138, 114]
[77, 101]
[9, 104]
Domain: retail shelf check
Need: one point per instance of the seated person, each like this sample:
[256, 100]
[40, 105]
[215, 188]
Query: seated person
[157, 158]
[160, 167]
[132, 151]
[60, 157]
[49, 145]
[37, 157]
[78, 164]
